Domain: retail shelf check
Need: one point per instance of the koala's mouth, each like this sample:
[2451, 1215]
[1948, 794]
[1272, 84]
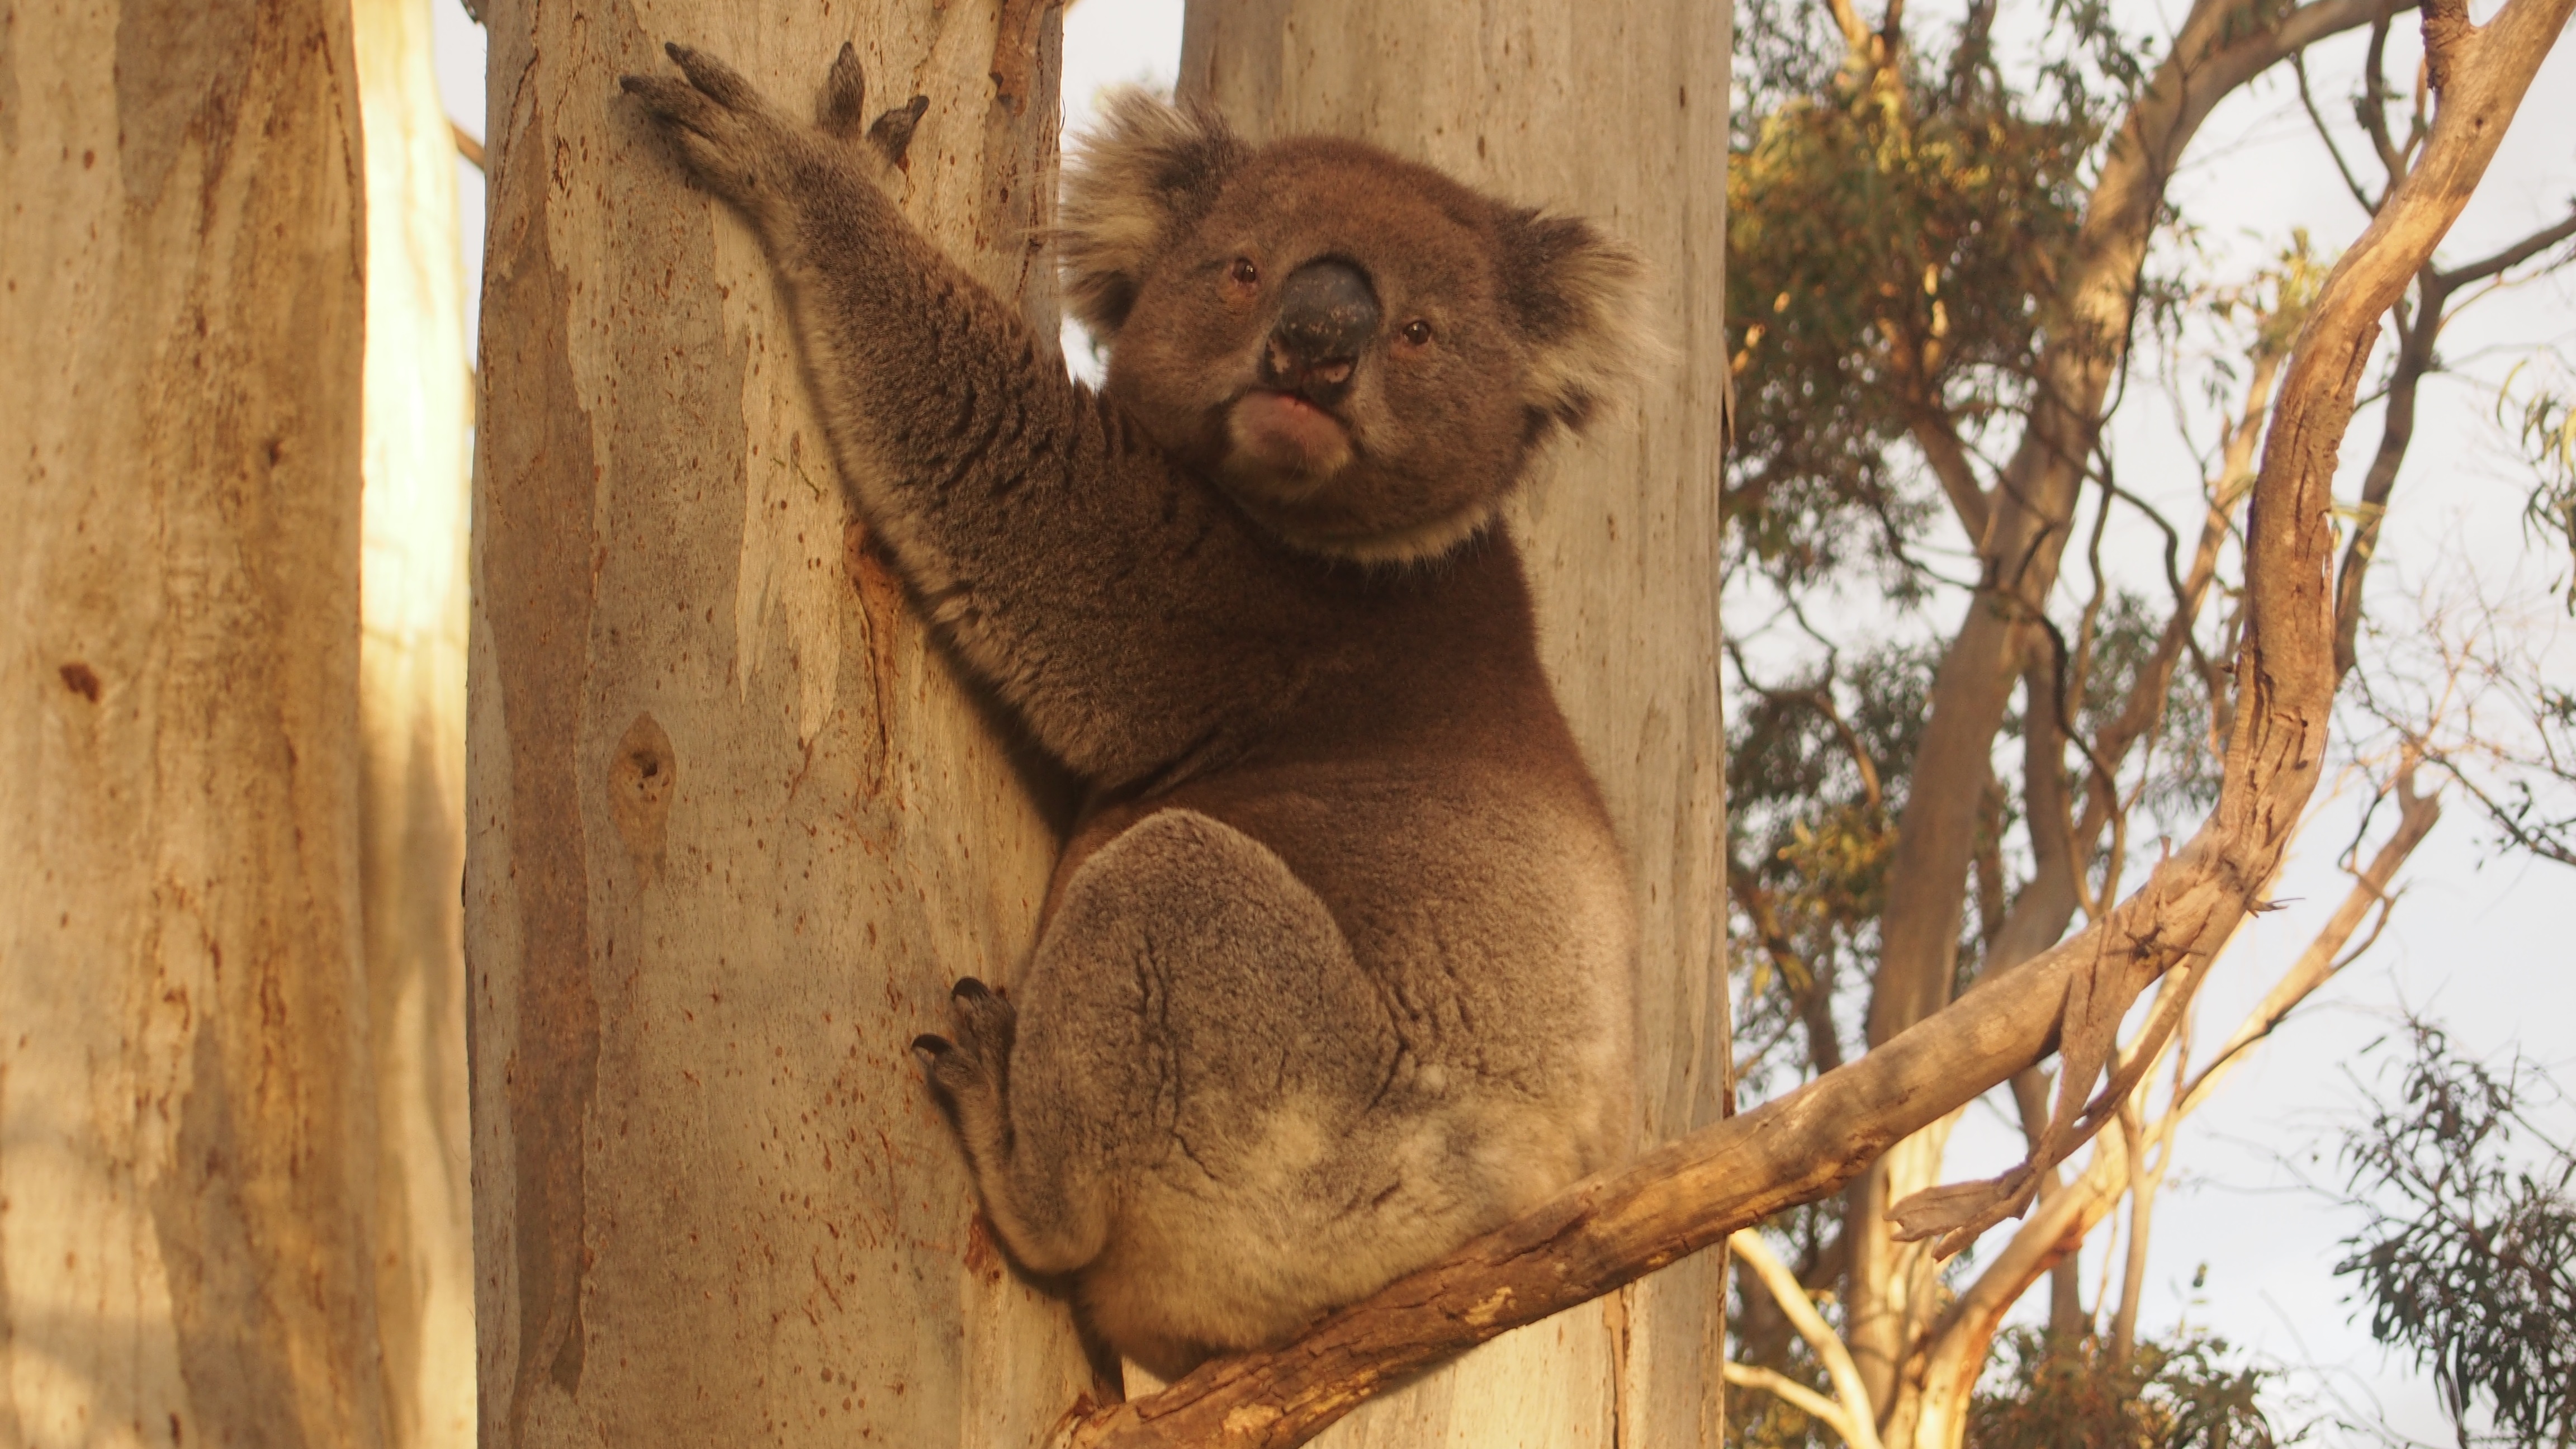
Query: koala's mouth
[1286, 438]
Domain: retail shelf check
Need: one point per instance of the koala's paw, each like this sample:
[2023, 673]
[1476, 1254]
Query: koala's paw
[970, 1075]
[844, 109]
[730, 139]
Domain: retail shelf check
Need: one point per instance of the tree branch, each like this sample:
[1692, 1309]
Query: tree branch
[1855, 31]
[2307, 102]
[2507, 819]
[2510, 257]
[1678, 1198]
[2223, 44]
[1858, 1429]
[1957, 1345]
[2046, 1240]
[2286, 670]
[1806, 1400]
[1941, 447]
[2317, 964]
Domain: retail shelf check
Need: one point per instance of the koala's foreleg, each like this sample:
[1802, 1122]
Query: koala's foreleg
[1068, 561]
[923, 373]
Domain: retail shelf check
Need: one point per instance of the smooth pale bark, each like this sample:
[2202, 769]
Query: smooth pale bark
[411, 719]
[733, 824]
[187, 1139]
[1616, 111]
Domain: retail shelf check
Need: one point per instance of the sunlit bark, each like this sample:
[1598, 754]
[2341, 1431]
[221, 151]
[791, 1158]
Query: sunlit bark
[733, 824]
[411, 721]
[187, 1130]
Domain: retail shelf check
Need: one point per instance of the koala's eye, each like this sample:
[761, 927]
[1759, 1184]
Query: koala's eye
[1418, 333]
[1245, 272]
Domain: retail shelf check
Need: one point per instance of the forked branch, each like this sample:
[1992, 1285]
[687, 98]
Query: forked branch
[1849, 1410]
[1686, 1195]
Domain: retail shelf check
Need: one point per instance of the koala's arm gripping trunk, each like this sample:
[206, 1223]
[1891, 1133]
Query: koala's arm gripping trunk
[1107, 596]
[1068, 560]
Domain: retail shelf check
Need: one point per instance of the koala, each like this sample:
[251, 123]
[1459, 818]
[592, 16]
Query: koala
[1335, 971]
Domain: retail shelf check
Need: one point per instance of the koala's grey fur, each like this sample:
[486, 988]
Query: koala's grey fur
[1335, 970]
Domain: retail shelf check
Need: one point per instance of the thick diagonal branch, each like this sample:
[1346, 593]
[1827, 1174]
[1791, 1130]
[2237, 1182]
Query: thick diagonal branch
[2058, 1226]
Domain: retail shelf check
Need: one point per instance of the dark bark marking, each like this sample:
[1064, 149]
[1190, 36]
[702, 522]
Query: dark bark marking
[534, 495]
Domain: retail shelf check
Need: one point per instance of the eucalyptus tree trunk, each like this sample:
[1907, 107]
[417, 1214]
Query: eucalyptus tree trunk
[1615, 110]
[187, 1129]
[411, 721]
[733, 825]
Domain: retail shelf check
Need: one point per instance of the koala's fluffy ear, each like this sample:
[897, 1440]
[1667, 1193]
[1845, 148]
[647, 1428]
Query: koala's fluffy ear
[1582, 304]
[1149, 168]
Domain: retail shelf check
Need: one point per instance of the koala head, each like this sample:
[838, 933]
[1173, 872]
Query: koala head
[1363, 352]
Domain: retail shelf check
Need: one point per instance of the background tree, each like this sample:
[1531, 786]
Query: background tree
[734, 824]
[1942, 266]
[2466, 1258]
[411, 726]
[188, 1135]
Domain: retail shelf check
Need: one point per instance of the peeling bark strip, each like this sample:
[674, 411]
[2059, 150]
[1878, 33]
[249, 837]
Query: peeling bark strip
[732, 828]
[186, 1117]
[534, 594]
[1680, 1198]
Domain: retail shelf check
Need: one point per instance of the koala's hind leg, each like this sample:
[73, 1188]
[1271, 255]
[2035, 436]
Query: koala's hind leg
[1193, 1040]
[1048, 1209]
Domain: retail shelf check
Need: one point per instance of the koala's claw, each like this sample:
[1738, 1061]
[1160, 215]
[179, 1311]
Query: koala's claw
[970, 1074]
[677, 102]
[892, 134]
[986, 1021]
[845, 94]
[718, 80]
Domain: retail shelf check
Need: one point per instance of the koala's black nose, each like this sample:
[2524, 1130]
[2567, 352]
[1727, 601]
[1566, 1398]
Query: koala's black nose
[1327, 313]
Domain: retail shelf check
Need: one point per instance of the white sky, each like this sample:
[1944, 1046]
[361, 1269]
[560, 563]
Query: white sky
[2481, 943]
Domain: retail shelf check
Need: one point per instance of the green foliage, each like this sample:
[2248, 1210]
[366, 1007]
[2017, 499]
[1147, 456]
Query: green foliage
[1882, 267]
[1809, 829]
[1897, 229]
[2060, 1393]
[2468, 1257]
[1892, 249]
[2549, 435]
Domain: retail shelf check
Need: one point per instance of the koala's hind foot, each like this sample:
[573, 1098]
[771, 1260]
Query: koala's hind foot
[971, 1075]
[1052, 1222]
